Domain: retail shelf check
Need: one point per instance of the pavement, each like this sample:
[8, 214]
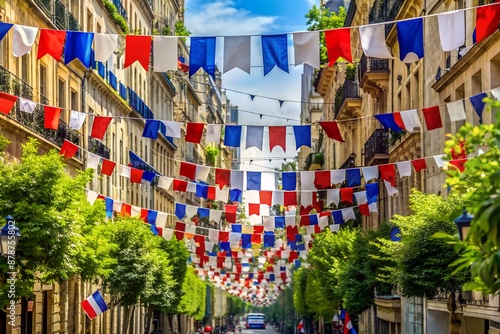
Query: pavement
[269, 330]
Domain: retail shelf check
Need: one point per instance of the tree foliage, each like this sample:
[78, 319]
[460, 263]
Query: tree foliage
[321, 18]
[479, 184]
[193, 300]
[51, 210]
[421, 273]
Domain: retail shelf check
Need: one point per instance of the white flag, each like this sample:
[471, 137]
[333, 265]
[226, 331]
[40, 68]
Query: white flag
[76, 119]
[23, 40]
[452, 29]
[26, 105]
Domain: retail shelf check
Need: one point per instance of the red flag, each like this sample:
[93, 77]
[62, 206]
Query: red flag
[256, 239]
[107, 167]
[258, 229]
[51, 117]
[289, 198]
[222, 177]
[459, 154]
[223, 236]
[459, 164]
[144, 215]
[7, 101]
[68, 149]
[322, 179]
[419, 164]
[487, 20]
[99, 126]
[137, 48]
[346, 195]
[332, 130]
[253, 209]
[266, 197]
[136, 175]
[182, 67]
[126, 210]
[338, 44]
[211, 193]
[432, 118]
[180, 185]
[364, 210]
[51, 42]
[388, 173]
[188, 170]
[194, 131]
[277, 137]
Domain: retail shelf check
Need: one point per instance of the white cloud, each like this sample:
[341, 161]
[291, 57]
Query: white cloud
[222, 18]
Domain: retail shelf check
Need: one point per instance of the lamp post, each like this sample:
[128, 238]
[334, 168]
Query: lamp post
[463, 224]
[9, 237]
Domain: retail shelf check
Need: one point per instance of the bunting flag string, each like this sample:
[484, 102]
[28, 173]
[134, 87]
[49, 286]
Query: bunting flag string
[230, 184]
[253, 136]
[274, 50]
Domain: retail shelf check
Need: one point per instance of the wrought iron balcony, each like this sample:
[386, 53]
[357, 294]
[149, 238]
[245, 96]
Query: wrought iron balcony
[368, 64]
[349, 90]
[383, 11]
[377, 147]
[12, 84]
[98, 148]
[121, 10]
[59, 14]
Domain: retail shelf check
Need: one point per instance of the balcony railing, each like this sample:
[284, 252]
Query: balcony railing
[98, 148]
[350, 162]
[11, 84]
[349, 90]
[59, 14]
[383, 11]
[368, 64]
[121, 10]
[378, 143]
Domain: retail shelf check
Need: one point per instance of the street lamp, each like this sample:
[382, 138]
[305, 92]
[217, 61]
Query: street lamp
[9, 236]
[463, 224]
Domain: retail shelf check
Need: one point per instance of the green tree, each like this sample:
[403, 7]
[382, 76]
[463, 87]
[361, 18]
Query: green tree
[321, 18]
[193, 300]
[479, 186]
[51, 210]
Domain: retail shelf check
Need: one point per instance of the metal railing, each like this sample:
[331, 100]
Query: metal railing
[12, 84]
[368, 64]
[121, 9]
[378, 143]
[59, 14]
[383, 11]
[349, 90]
[99, 148]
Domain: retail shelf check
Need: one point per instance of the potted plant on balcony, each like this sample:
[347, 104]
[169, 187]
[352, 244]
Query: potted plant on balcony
[318, 158]
[351, 71]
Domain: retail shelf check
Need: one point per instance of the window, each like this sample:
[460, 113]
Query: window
[74, 100]
[61, 93]
[43, 83]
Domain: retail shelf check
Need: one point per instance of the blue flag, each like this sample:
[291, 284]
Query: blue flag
[202, 55]
[78, 46]
[410, 39]
[275, 52]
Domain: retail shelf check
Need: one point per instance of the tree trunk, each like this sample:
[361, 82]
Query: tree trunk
[148, 319]
[171, 323]
[127, 318]
[455, 323]
[63, 306]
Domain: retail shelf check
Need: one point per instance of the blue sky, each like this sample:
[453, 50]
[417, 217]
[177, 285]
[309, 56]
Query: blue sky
[243, 17]
[258, 17]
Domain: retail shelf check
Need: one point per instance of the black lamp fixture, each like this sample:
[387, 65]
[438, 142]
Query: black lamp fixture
[463, 224]
[9, 237]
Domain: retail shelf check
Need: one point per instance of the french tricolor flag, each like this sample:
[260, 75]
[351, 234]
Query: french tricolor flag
[348, 327]
[94, 305]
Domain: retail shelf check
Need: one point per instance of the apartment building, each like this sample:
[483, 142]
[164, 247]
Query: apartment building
[353, 95]
[130, 96]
